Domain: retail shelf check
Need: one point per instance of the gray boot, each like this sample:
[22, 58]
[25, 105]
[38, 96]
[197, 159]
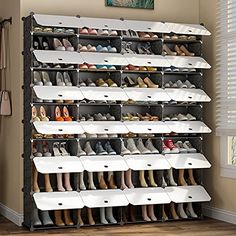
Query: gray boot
[46, 220]
[36, 221]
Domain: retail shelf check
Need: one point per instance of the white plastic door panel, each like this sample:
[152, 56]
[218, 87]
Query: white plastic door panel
[146, 196]
[104, 58]
[58, 57]
[147, 94]
[58, 201]
[58, 93]
[58, 127]
[104, 127]
[104, 163]
[147, 60]
[104, 198]
[184, 194]
[187, 29]
[188, 161]
[57, 21]
[188, 95]
[147, 162]
[59, 164]
[99, 93]
[188, 62]
[147, 127]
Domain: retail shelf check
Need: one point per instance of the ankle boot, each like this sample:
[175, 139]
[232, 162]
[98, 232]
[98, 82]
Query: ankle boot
[182, 181]
[151, 213]
[101, 181]
[48, 186]
[128, 176]
[80, 220]
[190, 211]
[90, 216]
[123, 185]
[102, 216]
[81, 181]
[144, 213]
[59, 183]
[142, 179]
[151, 178]
[109, 215]
[46, 220]
[67, 218]
[35, 180]
[58, 218]
[35, 218]
[173, 211]
[67, 182]
[170, 177]
[111, 182]
[91, 183]
[181, 212]
[191, 177]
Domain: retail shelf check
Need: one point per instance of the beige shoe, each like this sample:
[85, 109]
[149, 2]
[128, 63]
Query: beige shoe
[101, 83]
[186, 52]
[149, 83]
[141, 83]
[179, 51]
[168, 51]
[111, 83]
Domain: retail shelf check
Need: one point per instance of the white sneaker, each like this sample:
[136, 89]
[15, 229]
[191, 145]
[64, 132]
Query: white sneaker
[132, 147]
[180, 84]
[87, 148]
[149, 145]
[190, 212]
[191, 117]
[142, 148]
[182, 117]
[80, 152]
[181, 212]
[124, 150]
[189, 147]
[181, 147]
[189, 85]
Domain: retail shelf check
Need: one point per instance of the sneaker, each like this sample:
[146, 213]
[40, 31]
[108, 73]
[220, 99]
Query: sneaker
[89, 151]
[109, 148]
[182, 117]
[124, 150]
[99, 149]
[90, 83]
[149, 145]
[189, 85]
[168, 69]
[189, 147]
[191, 117]
[181, 147]
[80, 152]
[99, 117]
[169, 143]
[142, 148]
[165, 149]
[110, 117]
[132, 147]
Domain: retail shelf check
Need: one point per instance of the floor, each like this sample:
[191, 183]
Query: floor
[205, 227]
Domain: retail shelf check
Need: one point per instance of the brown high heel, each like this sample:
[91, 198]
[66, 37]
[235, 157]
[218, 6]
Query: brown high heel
[167, 50]
[181, 179]
[58, 218]
[186, 51]
[67, 218]
[179, 52]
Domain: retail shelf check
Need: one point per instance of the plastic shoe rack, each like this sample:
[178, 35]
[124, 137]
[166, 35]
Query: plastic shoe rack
[158, 101]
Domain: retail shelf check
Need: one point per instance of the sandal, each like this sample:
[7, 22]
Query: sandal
[152, 118]
[62, 149]
[143, 118]
[132, 117]
[58, 116]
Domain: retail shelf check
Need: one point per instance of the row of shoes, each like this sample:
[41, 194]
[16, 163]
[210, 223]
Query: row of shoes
[180, 37]
[139, 117]
[180, 117]
[175, 69]
[99, 48]
[86, 66]
[96, 136]
[99, 83]
[98, 117]
[180, 84]
[139, 68]
[168, 146]
[100, 32]
[53, 30]
[178, 51]
[139, 82]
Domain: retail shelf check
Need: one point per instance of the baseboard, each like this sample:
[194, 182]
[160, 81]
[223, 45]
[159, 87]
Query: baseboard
[220, 214]
[11, 215]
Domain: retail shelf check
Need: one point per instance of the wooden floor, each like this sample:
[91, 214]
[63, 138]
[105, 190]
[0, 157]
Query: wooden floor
[205, 227]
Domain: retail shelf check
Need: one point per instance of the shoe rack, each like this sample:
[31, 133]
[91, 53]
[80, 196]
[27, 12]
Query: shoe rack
[64, 187]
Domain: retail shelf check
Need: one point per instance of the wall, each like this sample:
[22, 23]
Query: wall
[221, 189]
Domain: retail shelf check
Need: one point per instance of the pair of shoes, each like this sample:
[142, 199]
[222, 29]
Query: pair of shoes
[99, 48]
[180, 117]
[89, 31]
[169, 147]
[139, 117]
[180, 84]
[45, 149]
[129, 34]
[95, 136]
[105, 67]
[86, 82]
[64, 45]
[42, 78]
[179, 51]
[139, 82]
[109, 49]
[175, 69]
[98, 117]
[42, 29]
[88, 48]
[180, 37]
[139, 68]
[42, 114]
[107, 83]
[105, 32]
[41, 43]
[185, 147]
[147, 35]
[144, 48]
[179, 147]
[58, 114]
[63, 79]
[59, 149]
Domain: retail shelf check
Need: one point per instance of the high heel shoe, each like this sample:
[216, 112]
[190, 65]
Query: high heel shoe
[167, 50]
[149, 83]
[66, 116]
[130, 82]
[179, 51]
[58, 116]
[55, 149]
[67, 79]
[62, 149]
[141, 83]
[68, 46]
[43, 116]
[46, 79]
[34, 114]
[57, 45]
[186, 52]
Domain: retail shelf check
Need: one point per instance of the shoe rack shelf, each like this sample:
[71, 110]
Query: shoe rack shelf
[44, 206]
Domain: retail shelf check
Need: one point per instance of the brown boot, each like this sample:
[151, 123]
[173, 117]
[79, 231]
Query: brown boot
[173, 211]
[111, 182]
[181, 180]
[68, 220]
[102, 183]
[191, 177]
[58, 219]
[90, 216]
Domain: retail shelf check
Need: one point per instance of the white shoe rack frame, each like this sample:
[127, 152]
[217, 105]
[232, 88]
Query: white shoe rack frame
[161, 101]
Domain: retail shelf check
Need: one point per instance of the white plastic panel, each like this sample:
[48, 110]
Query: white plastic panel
[58, 57]
[188, 62]
[147, 196]
[58, 127]
[103, 58]
[104, 127]
[99, 93]
[104, 163]
[147, 26]
[187, 29]
[188, 95]
[147, 94]
[104, 198]
[58, 92]
[147, 127]
[184, 194]
[58, 201]
[59, 164]
[188, 161]
[147, 162]
[187, 127]
[147, 60]
[103, 23]
[57, 21]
